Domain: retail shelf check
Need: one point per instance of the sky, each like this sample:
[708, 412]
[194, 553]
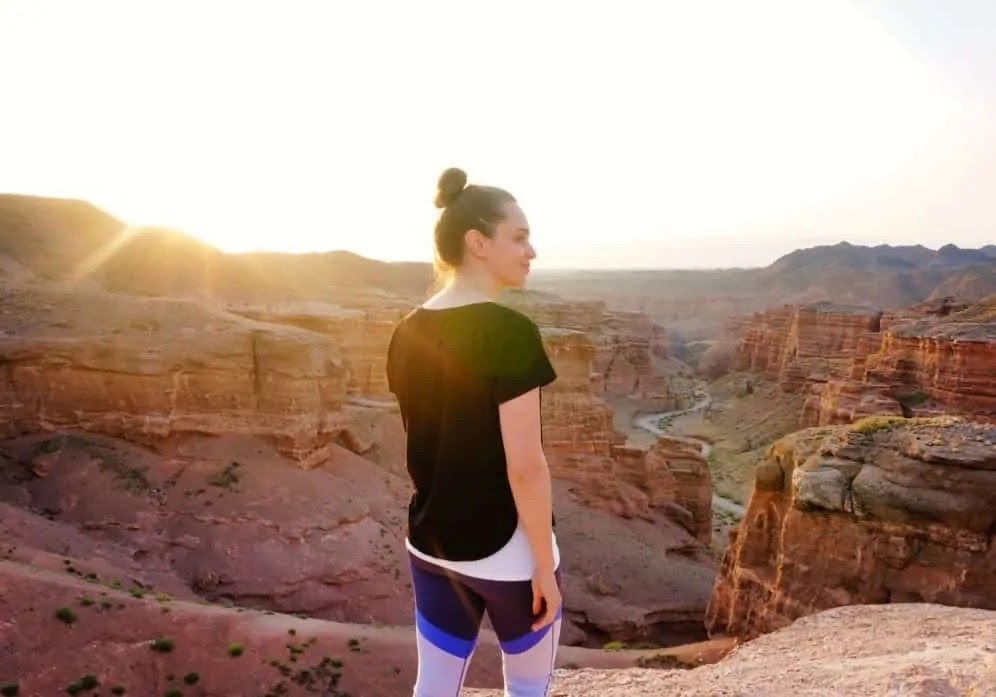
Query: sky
[634, 134]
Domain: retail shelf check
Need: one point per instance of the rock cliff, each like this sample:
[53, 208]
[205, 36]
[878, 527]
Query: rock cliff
[937, 357]
[888, 510]
[153, 369]
[580, 440]
[635, 522]
[796, 345]
[362, 334]
[630, 351]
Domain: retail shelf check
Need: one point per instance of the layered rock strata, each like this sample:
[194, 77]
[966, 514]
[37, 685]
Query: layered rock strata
[888, 510]
[937, 357]
[630, 356]
[580, 440]
[361, 333]
[152, 369]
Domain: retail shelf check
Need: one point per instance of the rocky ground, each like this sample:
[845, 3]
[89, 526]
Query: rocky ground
[58, 628]
[902, 649]
[886, 510]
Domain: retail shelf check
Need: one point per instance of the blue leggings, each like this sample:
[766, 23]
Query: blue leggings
[448, 612]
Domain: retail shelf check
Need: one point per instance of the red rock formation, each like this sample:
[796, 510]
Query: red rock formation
[152, 369]
[583, 446]
[938, 357]
[953, 363]
[887, 510]
[798, 345]
[846, 401]
[630, 350]
[361, 333]
[943, 362]
[763, 336]
[575, 419]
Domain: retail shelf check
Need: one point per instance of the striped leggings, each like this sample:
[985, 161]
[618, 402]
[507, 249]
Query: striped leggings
[449, 608]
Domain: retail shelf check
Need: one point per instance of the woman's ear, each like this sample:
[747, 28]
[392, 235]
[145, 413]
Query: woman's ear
[475, 242]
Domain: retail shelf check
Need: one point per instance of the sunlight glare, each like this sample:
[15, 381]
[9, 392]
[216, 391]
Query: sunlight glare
[311, 126]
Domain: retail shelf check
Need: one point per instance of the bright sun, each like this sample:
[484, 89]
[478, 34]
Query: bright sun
[319, 127]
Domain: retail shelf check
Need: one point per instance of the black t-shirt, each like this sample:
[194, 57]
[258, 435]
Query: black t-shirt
[450, 369]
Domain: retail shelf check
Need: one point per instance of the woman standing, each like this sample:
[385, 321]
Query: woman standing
[467, 372]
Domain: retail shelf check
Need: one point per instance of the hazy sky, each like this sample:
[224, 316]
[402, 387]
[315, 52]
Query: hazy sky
[633, 133]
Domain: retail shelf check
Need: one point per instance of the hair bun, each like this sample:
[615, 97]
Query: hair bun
[451, 184]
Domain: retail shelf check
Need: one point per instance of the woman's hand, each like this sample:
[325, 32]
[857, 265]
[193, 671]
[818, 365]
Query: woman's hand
[546, 598]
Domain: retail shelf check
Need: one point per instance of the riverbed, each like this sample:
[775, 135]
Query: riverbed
[649, 423]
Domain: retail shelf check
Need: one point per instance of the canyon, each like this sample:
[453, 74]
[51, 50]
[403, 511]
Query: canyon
[203, 397]
[852, 361]
[186, 430]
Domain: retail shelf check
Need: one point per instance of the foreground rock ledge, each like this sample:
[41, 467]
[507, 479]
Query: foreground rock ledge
[886, 510]
[855, 651]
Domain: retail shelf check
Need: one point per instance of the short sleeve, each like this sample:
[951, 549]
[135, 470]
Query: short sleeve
[520, 363]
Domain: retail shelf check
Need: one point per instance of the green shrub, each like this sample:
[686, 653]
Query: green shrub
[65, 614]
[873, 424]
[162, 645]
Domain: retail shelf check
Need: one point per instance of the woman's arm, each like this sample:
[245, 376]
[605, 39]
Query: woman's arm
[529, 477]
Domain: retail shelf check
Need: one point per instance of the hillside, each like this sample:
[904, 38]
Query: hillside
[62, 239]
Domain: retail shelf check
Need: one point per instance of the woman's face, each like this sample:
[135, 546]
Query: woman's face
[508, 253]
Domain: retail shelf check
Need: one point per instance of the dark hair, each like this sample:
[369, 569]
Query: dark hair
[465, 208]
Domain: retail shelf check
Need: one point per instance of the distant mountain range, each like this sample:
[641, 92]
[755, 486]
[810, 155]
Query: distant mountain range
[68, 239]
[884, 276]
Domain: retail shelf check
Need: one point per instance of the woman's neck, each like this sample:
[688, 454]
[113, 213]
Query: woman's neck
[471, 285]
[464, 289]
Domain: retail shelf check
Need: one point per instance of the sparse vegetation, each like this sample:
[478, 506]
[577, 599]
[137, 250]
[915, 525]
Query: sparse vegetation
[665, 661]
[11, 690]
[614, 646]
[87, 682]
[173, 693]
[162, 645]
[235, 650]
[191, 678]
[130, 477]
[322, 677]
[227, 478]
[65, 614]
[118, 690]
[873, 424]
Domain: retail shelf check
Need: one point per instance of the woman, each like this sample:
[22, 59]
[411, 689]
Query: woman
[467, 372]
